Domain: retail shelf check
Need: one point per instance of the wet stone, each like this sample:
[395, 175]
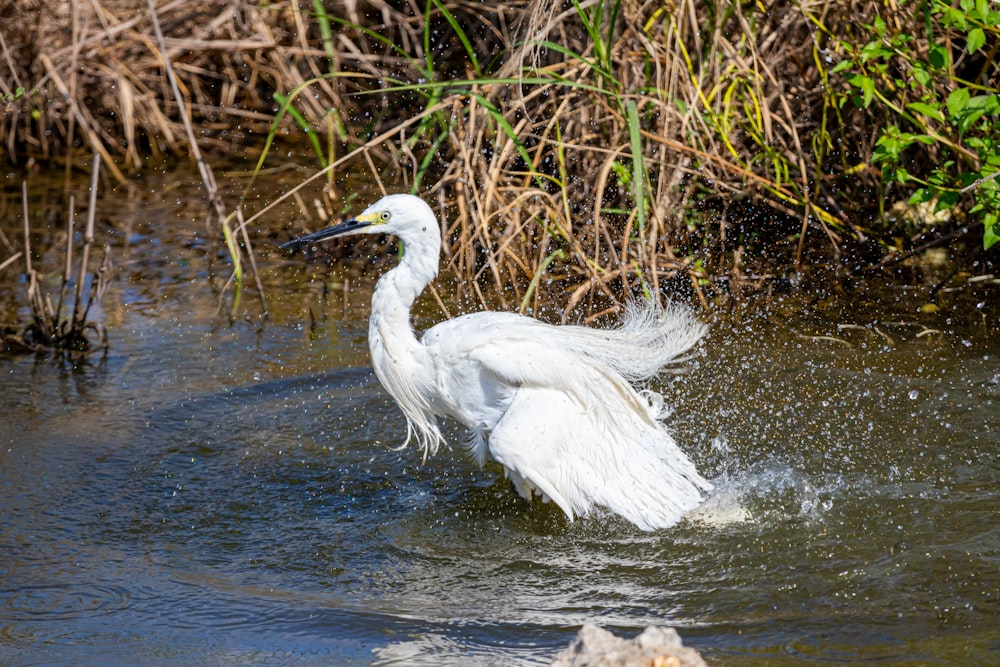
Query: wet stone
[655, 647]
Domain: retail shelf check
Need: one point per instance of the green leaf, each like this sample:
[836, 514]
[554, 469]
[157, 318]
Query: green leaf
[968, 121]
[866, 85]
[921, 75]
[920, 196]
[926, 110]
[889, 146]
[985, 103]
[621, 172]
[938, 56]
[989, 230]
[879, 26]
[976, 40]
[875, 50]
[569, 53]
[955, 17]
[946, 199]
[867, 90]
[842, 65]
[957, 101]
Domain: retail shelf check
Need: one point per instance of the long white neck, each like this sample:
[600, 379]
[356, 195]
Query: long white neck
[397, 355]
[395, 292]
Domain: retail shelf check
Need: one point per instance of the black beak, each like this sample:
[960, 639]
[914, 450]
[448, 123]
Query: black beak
[345, 227]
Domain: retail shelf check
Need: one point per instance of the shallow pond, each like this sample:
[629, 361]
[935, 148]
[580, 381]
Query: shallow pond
[215, 493]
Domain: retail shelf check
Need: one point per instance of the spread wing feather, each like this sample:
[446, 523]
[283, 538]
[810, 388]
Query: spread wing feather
[586, 437]
[562, 419]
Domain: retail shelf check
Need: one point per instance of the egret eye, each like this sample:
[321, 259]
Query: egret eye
[385, 215]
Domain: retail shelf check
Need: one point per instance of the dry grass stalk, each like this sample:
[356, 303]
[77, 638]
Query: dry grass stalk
[711, 111]
[52, 330]
[534, 157]
[526, 117]
[207, 174]
[103, 65]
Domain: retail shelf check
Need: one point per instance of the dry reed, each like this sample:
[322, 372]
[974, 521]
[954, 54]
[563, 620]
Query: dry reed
[55, 328]
[580, 151]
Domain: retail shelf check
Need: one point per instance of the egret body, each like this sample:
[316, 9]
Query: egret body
[554, 405]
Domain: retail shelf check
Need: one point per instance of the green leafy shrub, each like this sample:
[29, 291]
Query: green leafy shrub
[939, 94]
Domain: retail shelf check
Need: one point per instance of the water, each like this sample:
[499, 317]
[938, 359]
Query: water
[226, 494]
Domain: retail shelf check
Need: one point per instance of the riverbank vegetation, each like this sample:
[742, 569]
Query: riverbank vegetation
[582, 150]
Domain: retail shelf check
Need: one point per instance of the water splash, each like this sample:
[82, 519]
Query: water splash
[772, 492]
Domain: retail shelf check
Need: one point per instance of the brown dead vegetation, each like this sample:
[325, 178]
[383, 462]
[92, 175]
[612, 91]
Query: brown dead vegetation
[692, 143]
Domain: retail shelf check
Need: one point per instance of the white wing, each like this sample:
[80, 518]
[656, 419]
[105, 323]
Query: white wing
[561, 421]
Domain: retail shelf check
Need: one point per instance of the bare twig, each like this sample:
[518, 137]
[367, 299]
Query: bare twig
[88, 239]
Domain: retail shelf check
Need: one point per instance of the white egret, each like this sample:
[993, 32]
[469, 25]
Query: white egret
[552, 404]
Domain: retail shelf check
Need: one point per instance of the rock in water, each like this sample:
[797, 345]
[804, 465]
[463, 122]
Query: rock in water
[655, 647]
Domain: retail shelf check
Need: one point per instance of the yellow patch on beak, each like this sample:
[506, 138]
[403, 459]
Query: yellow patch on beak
[374, 218]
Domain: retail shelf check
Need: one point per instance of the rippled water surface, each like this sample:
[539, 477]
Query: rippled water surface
[226, 494]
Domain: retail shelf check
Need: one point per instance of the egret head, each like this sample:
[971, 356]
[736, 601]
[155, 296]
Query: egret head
[405, 216]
